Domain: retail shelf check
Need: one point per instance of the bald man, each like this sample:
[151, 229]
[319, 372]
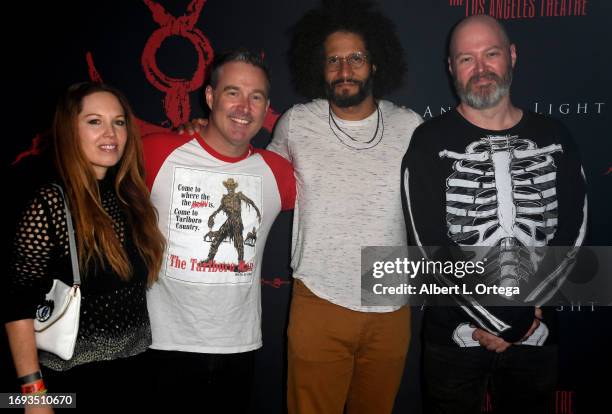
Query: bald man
[491, 174]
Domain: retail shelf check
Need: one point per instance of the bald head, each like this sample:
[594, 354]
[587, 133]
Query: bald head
[481, 60]
[478, 24]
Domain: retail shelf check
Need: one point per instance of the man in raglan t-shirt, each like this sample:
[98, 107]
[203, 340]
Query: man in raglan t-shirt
[343, 355]
[217, 198]
[490, 174]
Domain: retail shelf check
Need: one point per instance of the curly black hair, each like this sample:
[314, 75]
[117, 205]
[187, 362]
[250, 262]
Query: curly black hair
[307, 54]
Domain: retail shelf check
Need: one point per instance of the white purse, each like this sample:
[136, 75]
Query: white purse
[57, 319]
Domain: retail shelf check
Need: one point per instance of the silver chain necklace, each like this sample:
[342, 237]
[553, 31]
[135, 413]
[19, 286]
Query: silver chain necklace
[361, 145]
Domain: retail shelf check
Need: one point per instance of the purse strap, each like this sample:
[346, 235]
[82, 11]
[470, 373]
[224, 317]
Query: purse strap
[76, 276]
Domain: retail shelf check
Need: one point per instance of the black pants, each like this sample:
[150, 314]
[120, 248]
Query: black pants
[520, 380]
[114, 386]
[202, 383]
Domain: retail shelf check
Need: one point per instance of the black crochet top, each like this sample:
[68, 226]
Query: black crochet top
[114, 322]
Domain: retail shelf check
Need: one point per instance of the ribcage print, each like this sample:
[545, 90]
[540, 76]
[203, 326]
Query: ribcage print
[501, 194]
[502, 187]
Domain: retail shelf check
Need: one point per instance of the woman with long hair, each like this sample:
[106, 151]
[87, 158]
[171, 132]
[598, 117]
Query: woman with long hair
[98, 158]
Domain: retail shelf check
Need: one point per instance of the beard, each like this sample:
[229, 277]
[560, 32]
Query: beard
[488, 96]
[344, 100]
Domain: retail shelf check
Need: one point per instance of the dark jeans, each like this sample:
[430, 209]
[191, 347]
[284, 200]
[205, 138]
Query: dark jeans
[202, 383]
[520, 380]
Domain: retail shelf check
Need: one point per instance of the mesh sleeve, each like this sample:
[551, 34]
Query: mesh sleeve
[39, 243]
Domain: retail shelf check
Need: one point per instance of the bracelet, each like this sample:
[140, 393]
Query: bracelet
[36, 387]
[30, 377]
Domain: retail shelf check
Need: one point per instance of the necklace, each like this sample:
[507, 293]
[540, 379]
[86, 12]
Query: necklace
[354, 143]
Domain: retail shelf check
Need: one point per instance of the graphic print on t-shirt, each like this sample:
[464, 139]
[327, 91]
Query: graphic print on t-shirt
[502, 194]
[502, 187]
[213, 225]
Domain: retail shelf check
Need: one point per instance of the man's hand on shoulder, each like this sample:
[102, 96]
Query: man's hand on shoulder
[193, 126]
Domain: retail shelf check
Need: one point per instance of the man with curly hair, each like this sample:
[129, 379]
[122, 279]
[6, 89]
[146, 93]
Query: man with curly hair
[346, 147]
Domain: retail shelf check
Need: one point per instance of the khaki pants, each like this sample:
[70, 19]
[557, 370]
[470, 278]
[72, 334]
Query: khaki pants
[338, 356]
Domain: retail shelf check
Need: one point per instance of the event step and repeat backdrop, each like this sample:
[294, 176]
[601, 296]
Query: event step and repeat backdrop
[158, 52]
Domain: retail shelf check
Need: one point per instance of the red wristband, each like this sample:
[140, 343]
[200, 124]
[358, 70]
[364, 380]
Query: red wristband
[33, 387]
